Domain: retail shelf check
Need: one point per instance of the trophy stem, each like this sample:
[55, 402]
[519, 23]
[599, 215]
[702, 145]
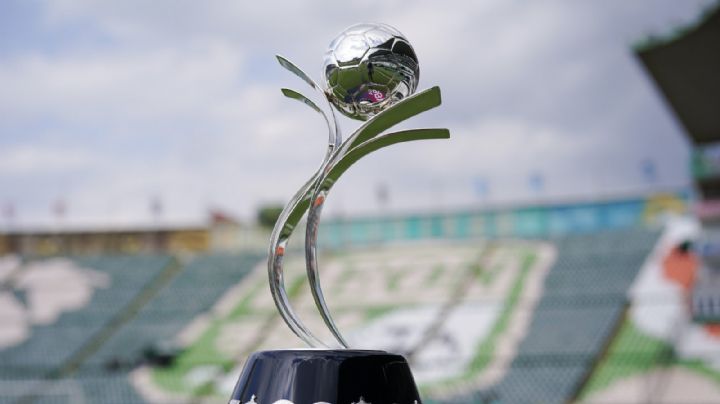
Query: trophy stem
[294, 210]
[311, 196]
[311, 236]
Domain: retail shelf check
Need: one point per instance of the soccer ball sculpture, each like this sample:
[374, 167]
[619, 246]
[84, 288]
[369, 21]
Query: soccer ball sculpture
[369, 67]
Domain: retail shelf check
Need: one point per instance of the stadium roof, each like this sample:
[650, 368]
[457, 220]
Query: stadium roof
[96, 228]
[686, 69]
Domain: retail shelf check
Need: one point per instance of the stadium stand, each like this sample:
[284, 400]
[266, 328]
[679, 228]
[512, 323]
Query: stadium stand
[192, 291]
[585, 293]
[50, 346]
[86, 354]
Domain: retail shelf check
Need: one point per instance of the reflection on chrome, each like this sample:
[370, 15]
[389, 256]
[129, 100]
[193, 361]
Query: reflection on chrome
[369, 67]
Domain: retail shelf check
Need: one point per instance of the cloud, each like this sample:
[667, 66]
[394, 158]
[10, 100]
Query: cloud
[180, 100]
[24, 160]
[120, 86]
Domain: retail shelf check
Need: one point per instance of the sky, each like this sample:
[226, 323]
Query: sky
[110, 108]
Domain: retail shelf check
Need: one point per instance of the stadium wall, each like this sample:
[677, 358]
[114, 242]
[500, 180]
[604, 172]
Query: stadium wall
[44, 243]
[521, 221]
[540, 220]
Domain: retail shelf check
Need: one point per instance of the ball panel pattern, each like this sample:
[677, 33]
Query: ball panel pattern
[367, 68]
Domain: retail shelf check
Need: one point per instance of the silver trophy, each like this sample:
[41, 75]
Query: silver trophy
[370, 73]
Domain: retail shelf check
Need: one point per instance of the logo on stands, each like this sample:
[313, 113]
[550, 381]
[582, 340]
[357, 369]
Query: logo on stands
[373, 96]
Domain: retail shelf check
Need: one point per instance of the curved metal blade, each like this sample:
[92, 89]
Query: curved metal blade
[401, 111]
[305, 100]
[293, 212]
[332, 128]
[284, 226]
[284, 62]
[335, 168]
[336, 136]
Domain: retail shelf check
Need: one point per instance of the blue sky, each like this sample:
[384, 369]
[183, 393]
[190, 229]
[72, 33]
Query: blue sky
[107, 106]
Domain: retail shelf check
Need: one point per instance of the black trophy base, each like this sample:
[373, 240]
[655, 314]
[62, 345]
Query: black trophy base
[325, 376]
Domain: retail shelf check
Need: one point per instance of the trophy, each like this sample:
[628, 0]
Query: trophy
[370, 73]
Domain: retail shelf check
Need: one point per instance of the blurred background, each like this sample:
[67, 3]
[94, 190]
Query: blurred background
[562, 246]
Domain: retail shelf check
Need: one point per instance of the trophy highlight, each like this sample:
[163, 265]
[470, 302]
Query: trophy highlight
[370, 73]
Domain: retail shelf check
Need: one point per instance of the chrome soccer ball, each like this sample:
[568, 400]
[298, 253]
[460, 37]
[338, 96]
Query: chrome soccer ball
[369, 67]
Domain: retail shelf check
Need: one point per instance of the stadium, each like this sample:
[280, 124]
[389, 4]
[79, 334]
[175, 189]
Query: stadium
[601, 299]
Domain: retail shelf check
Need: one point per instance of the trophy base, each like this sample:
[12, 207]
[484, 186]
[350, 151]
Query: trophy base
[343, 376]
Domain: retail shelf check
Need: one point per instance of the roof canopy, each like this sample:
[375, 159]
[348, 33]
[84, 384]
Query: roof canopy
[687, 71]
